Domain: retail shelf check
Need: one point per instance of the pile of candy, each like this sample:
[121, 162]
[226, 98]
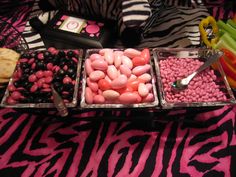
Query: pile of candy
[202, 88]
[37, 71]
[118, 77]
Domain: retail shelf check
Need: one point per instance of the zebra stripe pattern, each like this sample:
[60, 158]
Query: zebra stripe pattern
[188, 142]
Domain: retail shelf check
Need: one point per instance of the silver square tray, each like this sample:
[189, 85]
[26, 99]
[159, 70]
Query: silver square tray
[195, 53]
[73, 103]
[83, 104]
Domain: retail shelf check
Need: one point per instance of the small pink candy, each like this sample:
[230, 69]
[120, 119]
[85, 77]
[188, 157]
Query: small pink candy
[50, 66]
[46, 85]
[65, 67]
[31, 61]
[33, 65]
[48, 79]
[48, 73]
[46, 90]
[65, 93]
[23, 60]
[67, 80]
[20, 88]
[32, 78]
[40, 56]
[98, 99]
[53, 50]
[16, 95]
[34, 88]
[75, 59]
[39, 74]
[11, 101]
[57, 68]
[40, 82]
[11, 88]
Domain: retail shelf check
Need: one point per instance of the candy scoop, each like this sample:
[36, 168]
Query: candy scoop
[183, 83]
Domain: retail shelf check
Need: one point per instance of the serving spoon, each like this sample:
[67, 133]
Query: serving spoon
[181, 84]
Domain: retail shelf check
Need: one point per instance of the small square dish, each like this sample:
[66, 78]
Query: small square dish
[208, 88]
[35, 73]
[118, 78]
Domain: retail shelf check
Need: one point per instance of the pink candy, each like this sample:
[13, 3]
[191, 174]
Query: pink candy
[112, 77]
[202, 87]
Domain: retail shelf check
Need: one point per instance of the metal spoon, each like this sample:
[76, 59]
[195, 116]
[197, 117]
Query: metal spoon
[183, 83]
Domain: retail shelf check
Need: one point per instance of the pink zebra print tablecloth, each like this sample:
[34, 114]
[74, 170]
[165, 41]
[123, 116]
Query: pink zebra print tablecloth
[185, 143]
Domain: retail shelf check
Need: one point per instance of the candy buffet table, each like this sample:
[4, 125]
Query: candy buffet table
[183, 142]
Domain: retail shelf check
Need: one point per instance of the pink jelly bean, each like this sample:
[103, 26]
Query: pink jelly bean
[23, 60]
[65, 67]
[88, 95]
[110, 95]
[46, 85]
[92, 85]
[16, 95]
[139, 70]
[40, 82]
[34, 88]
[96, 56]
[149, 98]
[112, 72]
[88, 67]
[145, 77]
[131, 53]
[31, 60]
[66, 80]
[98, 99]
[119, 82]
[108, 79]
[40, 56]
[32, 78]
[65, 93]
[128, 98]
[96, 75]
[11, 101]
[102, 51]
[52, 50]
[124, 69]
[109, 56]
[33, 65]
[139, 98]
[48, 73]
[48, 79]
[143, 90]
[39, 74]
[75, 59]
[149, 86]
[117, 58]
[127, 61]
[49, 66]
[11, 88]
[145, 53]
[132, 78]
[99, 65]
[46, 90]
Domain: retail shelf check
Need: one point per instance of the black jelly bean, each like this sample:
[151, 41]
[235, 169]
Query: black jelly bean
[70, 53]
[26, 55]
[46, 54]
[61, 53]
[70, 72]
